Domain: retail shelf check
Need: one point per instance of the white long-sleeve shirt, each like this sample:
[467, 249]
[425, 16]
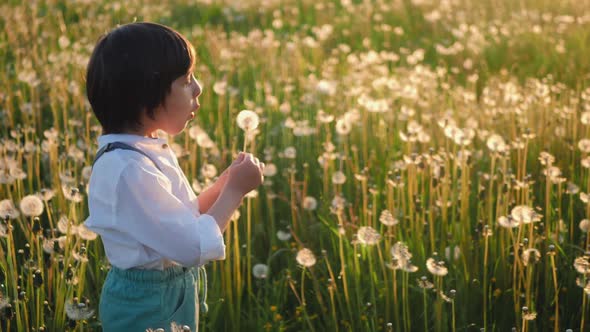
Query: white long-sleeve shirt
[148, 218]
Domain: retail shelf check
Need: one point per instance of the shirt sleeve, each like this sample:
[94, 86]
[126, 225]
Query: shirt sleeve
[148, 211]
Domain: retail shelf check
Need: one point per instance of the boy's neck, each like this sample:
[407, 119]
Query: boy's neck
[141, 132]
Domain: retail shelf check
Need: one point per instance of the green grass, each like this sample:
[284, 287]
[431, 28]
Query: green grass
[275, 53]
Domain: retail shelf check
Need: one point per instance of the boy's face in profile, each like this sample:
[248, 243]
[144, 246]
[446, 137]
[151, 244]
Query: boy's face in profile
[180, 105]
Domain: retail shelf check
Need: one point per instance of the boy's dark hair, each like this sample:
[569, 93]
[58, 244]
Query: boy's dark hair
[132, 68]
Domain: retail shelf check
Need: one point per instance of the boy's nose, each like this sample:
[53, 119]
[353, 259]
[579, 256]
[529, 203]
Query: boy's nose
[198, 89]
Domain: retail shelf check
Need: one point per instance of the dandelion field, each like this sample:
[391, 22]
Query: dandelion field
[427, 162]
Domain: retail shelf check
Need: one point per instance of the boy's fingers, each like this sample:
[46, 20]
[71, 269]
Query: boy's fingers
[239, 158]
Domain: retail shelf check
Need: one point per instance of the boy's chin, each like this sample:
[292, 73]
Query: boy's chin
[176, 131]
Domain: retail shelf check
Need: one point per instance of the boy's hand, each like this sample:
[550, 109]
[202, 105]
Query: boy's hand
[245, 173]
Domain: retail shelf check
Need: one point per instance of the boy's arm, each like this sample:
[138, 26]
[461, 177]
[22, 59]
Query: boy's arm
[244, 175]
[207, 198]
[210, 195]
[225, 205]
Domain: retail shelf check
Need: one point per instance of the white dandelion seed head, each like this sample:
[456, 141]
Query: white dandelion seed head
[387, 218]
[326, 87]
[584, 145]
[285, 108]
[424, 283]
[436, 267]
[4, 301]
[72, 193]
[496, 143]
[8, 210]
[306, 258]
[46, 194]
[61, 241]
[220, 87]
[178, 150]
[582, 264]
[269, 170]
[368, 235]
[583, 283]
[524, 214]
[63, 223]
[252, 194]
[338, 177]
[546, 158]
[585, 225]
[343, 127]
[85, 233]
[400, 252]
[194, 131]
[508, 222]
[248, 120]
[236, 215]
[552, 172]
[31, 206]
[3, 230]
[409, 267]
[530, 256]
[529, 316]
[78, 311]
[290, 152]
[324, 117]
[283, 235]
[78, 257]
[17, 173]
[572, 188]
[338, 203]
[201, 137]
[309, 203]
[48, 245]
[86, 172]
[208, 171]
[260, 271]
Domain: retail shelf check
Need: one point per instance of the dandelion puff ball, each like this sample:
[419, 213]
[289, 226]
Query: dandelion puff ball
[306, 257]
[248, 120]
[260, 271]
[585, 225]
[368, 235]
[283, 235]
[387, 219]
[7, 209]
[31, 206]
[437, 268]
[309, 203]
[582, 264]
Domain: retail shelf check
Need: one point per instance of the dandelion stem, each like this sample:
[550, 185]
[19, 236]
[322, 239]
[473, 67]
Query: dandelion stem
[485, 282]
[582, 323]
[453, 315]
[425, 309]
[556, 290]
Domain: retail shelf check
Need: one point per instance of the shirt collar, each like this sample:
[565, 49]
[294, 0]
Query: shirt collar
[130, 139]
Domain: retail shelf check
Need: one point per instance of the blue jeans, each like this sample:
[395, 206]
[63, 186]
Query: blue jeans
[136, 299]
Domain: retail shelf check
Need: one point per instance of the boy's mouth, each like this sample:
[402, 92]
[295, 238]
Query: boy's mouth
[192, 114]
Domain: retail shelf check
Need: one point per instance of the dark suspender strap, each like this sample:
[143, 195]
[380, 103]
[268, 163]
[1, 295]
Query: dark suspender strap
[120, 145]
